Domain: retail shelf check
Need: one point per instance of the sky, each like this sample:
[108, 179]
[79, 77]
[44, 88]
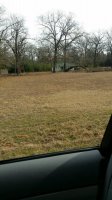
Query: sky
[92, 15]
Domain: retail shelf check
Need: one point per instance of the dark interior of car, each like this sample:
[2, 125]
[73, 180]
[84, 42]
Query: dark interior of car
[68, 175]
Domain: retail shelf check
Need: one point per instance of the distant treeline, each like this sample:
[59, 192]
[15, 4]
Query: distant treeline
[62, 43]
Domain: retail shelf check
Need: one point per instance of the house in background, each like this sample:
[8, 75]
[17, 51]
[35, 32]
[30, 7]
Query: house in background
[4, 71]
[69, 67]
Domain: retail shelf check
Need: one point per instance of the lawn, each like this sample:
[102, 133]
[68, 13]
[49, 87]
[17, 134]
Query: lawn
[47, 112]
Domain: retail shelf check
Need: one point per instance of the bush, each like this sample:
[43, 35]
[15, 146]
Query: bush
[41, 67]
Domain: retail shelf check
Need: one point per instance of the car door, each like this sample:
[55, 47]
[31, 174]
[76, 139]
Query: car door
[66, 175]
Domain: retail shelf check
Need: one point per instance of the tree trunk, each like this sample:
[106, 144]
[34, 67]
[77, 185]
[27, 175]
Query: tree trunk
[55, 61]
[17, 67]
[94, 61]
[65, 51]
[64, 67]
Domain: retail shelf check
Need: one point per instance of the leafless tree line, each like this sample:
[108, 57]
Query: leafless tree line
[62, 42]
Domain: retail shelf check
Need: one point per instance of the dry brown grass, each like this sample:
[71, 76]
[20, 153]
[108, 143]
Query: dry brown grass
[47, 112]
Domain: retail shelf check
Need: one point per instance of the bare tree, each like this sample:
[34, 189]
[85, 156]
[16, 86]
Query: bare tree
[4, 55]
[16, 39]
[71, 34]
[2, 21]
[109, 41]
[109, 46]
[30, 55]
[97, 46]
[53, 32]
[85, 51]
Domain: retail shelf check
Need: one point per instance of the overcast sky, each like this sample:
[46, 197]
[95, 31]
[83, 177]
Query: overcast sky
[93, 15]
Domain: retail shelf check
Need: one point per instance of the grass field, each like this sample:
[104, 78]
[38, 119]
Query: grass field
[47, 112]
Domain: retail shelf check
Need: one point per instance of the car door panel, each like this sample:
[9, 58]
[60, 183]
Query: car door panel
[86, 193]
[67, 176]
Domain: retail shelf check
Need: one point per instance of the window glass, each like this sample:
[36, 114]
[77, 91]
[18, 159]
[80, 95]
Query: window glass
[55, 76]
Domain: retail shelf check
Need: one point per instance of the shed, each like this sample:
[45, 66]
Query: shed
[3, 71]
